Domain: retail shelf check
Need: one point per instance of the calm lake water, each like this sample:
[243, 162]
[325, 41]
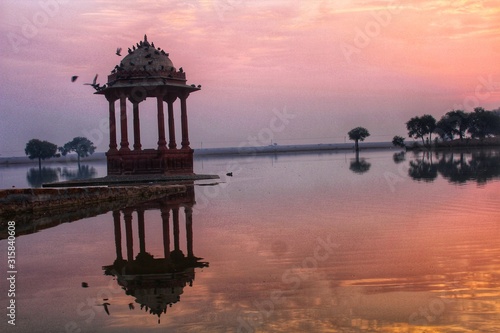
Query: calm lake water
[291, 243]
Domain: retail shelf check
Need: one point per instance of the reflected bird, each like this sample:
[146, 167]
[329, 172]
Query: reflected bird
[106, 307]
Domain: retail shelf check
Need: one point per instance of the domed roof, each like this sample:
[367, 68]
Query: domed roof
[145, 57]
[145, 65]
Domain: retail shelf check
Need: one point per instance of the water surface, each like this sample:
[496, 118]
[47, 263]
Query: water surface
[291, 243]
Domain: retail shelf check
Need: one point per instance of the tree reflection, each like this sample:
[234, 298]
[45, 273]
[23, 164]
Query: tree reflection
[423, 170]
[457, 167]
[358, 165]
[399, 157]
[481, 166]
[36, 177]
[83, 172]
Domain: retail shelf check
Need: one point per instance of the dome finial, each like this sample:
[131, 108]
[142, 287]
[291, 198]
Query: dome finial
[145, 38]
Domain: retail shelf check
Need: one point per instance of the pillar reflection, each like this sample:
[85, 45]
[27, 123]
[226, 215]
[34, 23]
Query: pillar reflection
[156, 283]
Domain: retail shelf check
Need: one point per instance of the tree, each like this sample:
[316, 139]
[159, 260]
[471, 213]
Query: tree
[40, 149]
[398, 141]
[358, 134]
[453, 123]
[483, 123]
[418, 127]
[445, 129]
[83, 147]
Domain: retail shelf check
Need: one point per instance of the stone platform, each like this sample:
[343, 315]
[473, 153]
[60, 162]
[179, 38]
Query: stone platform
[124, 180]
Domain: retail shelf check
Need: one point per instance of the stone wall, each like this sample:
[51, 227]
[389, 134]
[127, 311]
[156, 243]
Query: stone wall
[15, 201]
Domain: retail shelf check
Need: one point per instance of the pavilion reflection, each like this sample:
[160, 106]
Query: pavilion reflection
[155, 283]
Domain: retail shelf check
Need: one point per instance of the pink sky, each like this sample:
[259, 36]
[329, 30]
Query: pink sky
[334, 65]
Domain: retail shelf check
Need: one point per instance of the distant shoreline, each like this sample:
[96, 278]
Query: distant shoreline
[245, 150]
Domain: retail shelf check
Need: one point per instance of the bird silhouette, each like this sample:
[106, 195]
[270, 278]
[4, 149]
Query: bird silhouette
[129, 50]
[118, 50]
[85, 285]
[131, 306]
[106, 307]
[152, 44]
[94, 82]
[73, 78]
[181, 70]
[133, 47]
[199, 86]
[229, 174]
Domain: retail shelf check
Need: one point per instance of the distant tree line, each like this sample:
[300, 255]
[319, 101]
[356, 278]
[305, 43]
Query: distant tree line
[455, 124]
[42, 150]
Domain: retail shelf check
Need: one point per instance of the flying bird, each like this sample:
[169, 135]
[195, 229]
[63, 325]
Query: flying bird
[118, 50]
[94, 82]
[85, 285]
[73, 78]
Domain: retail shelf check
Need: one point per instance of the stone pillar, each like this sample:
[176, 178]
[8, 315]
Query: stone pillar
[142, 236]
[123, 123]
[112, 126]
[189, 230]
[184, 121]
[175, 212]
[162, 143]
[127, 214]
[165, 216]
[118, 235]
[171, 125]
[137, 127]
